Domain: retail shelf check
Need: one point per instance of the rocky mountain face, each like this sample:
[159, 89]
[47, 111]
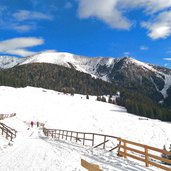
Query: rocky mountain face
[150, 80]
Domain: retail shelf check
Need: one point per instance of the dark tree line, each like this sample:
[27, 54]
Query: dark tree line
[71, 81]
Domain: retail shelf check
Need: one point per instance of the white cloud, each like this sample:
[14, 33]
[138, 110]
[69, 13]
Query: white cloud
[18, 46]
[160, 27]
[167, 59]
[22, 20]
[23, 28]
[126, 53]
[105, 10]
[149, 6]
[144, 48]
[112, 12]
[23, 15]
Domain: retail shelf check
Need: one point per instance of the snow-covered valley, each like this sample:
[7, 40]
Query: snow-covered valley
[31, 150]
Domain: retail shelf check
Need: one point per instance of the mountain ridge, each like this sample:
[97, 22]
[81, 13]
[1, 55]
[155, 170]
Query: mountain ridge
[153, 80]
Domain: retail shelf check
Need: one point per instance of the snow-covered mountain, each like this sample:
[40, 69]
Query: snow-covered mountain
[80, 63]
[9, 61]
[126, 71]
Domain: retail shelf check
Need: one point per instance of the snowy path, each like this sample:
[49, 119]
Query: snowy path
[34, 152]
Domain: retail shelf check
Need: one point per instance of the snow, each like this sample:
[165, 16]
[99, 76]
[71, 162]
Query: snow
[31, 150]
[9, 61]
[144, 65]
[167, 77]
[84, 64]
[90, 65]
[166, 85]
[52, 57]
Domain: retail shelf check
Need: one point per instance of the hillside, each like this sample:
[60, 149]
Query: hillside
[55, 77]
[149, 79]
[58, 110]
[154, 81]
[145, 88]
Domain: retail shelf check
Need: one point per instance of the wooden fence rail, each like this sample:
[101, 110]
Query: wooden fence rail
[9, 132]
[147, 154]
[137, 151]
[3, 116]
[90, 166]
[85, 138]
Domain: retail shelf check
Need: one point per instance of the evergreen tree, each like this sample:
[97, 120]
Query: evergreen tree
[103, 99]
[110, 100]
[98, 98]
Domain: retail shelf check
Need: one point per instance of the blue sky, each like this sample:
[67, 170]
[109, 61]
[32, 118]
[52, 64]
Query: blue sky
[109, 28]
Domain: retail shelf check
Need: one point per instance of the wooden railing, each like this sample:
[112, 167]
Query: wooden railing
[137, 151]
[93, 139]
[3, 116]
[9, 132]
[90, 166]
[147, 154]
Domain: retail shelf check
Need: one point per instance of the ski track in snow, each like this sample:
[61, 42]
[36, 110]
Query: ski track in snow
[35, 152]
[32, 151]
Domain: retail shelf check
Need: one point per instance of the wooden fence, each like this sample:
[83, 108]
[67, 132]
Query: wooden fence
[144, 153]
[9, 132]
[90, 166]
[3, 116]
[147, 154]
[92, 139]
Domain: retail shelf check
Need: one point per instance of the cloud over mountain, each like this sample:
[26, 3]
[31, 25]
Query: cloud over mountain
[18, 46]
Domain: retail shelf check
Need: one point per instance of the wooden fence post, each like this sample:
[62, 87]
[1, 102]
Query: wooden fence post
[93, 140]
[59, 133]
[66, 135]
[125, 150]
[104, 141]
[62, 134]
[77, 137]
[71, 136]
[55, 133]
[146, 156]
[84, 139]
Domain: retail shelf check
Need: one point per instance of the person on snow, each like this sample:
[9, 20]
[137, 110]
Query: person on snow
[37, 124]
[32, 124]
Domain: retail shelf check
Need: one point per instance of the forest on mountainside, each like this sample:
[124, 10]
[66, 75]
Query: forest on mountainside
[71, 81]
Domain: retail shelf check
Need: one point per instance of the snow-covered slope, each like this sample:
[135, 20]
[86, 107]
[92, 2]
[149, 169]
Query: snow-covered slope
[57, 110]
[9, 62]
[77, 113]
[32, 151]
[80, 63]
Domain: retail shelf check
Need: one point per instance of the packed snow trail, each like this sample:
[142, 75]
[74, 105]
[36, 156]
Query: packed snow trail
[34, 152]
[31, 151]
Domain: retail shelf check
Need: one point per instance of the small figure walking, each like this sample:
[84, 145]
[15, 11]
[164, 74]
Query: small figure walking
[37, 124]
[32, 124]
